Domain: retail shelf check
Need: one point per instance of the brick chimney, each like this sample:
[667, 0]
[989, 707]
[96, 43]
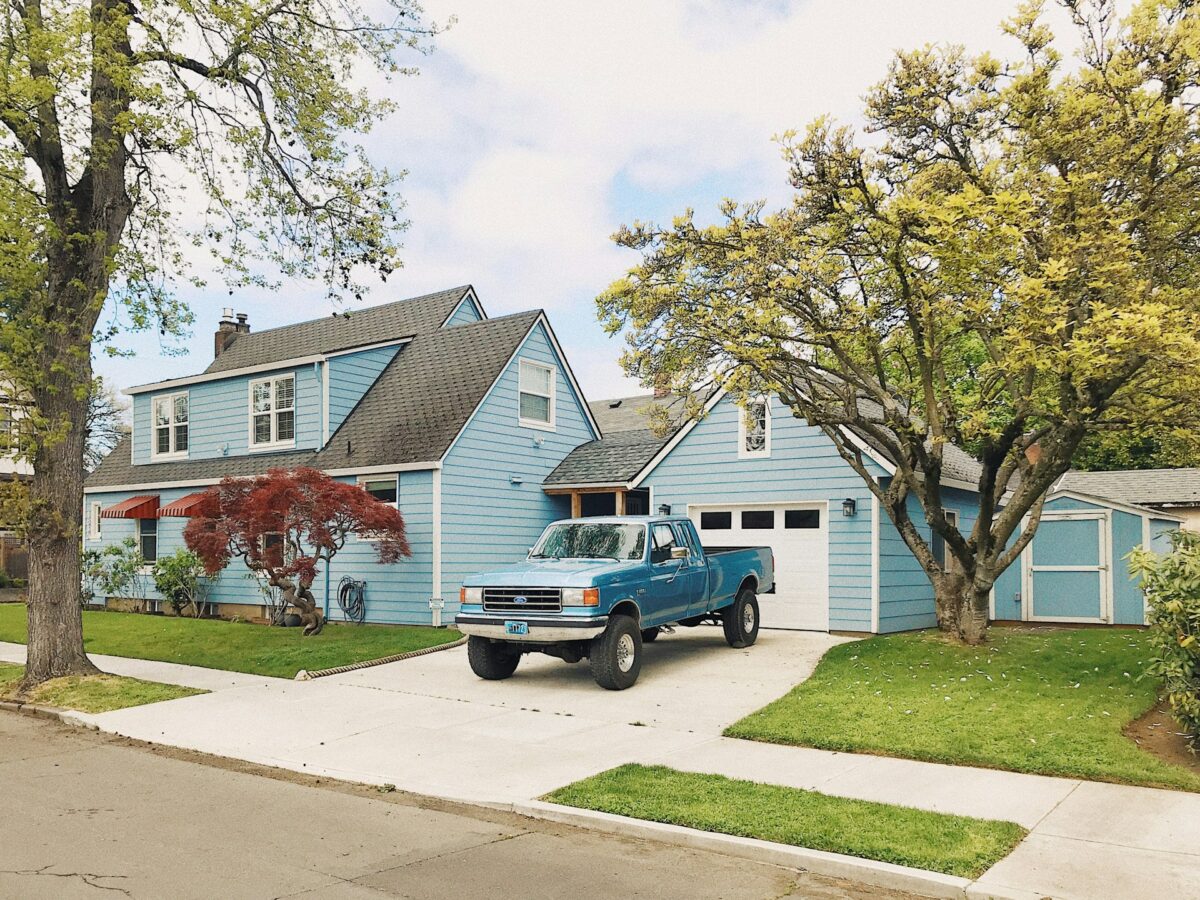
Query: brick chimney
[227, 328]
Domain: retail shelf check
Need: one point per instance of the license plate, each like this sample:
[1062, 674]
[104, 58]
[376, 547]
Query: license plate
[516, 628]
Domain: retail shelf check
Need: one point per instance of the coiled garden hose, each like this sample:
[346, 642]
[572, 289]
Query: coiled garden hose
[351, 597]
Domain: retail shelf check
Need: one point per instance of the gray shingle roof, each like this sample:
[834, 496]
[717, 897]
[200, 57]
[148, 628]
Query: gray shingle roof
[387, 321]
[1156, 487]
[412, 413]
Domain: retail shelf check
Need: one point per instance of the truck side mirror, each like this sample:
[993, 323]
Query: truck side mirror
[679, 553]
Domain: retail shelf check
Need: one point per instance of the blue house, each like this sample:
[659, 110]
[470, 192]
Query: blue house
[476, 428]
[427, 403]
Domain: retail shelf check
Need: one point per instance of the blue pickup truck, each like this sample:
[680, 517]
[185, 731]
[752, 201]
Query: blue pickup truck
[598, 588]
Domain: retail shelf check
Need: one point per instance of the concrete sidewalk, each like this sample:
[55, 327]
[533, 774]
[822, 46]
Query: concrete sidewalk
[429, 726]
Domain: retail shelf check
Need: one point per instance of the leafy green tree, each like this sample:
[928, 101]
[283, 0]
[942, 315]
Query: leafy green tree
[1009, 264]
[131, 129]
[1148, 448]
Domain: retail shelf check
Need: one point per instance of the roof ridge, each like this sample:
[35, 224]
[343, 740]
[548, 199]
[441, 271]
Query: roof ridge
[366, 309]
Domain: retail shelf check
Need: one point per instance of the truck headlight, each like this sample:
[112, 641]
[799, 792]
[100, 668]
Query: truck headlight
[470, 595]
[581, 597]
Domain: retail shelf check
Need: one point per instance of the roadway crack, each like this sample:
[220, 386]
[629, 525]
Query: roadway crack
[91, 879]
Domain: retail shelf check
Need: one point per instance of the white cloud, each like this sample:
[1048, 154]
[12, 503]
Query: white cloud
[535, 128]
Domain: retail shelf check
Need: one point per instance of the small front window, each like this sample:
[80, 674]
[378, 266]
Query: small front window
[148, 539]
[382, 489]
[754, 435]
[536, 395]
[171, 436]
[273, 411]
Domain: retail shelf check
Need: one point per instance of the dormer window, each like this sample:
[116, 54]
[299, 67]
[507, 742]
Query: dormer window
[273, 413]
[536, 395]
[754, 434]
[170, 415]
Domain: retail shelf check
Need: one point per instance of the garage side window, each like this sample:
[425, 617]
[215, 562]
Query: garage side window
[714, 521]
[754, 433]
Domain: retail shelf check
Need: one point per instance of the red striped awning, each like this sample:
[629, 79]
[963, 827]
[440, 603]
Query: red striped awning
[144, 507]
[184, 506]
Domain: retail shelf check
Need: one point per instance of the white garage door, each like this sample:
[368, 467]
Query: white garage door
[798, 535]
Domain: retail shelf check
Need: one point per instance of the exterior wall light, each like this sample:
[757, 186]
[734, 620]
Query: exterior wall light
[849, 507]
[665, 509]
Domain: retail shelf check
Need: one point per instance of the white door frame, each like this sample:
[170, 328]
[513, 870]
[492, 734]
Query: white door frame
[826, 527]
[1028, 567]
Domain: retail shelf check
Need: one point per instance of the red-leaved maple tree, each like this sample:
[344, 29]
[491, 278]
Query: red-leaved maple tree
[287, 523]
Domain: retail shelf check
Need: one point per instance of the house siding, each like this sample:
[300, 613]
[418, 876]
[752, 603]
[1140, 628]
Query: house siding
[906, 600]
[487, 519]
[350, 377]
[804, 466]
[466, 313]
[219, 415]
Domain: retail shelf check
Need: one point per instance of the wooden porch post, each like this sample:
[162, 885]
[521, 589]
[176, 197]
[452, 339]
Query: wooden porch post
[620, 503]
[576, 505]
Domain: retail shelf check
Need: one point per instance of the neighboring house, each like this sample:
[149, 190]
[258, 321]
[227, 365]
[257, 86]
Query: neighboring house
[429, 404]
[1173, 491]
[14, 556]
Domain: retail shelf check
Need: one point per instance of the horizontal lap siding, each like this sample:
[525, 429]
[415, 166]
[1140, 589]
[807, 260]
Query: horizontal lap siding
[219, 416]
[351, 376]
[399, 592]
[464, 315]
[487, 521]
[704, 468]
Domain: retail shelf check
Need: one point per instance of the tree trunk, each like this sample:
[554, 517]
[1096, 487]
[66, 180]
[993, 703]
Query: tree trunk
[947, 596]
[56, 516]
[303, 600]
[974, 603]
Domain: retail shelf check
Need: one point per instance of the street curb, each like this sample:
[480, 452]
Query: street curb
[305, 675]
[820, 862]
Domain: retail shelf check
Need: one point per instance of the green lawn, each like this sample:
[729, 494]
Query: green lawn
[93, 693]
[1046, 701]
[955, 845]
[235, 646]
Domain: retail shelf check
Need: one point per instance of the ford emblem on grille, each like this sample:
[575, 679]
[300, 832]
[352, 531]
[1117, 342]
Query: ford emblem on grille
[520, 599]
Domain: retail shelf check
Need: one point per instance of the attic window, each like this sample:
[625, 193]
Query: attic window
[536, 400]
[754, 431]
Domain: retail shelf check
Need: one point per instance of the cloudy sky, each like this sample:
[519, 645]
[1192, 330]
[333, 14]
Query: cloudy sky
[536, 128]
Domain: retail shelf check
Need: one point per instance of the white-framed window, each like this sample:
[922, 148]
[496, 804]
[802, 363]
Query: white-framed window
[94, 521]
[536, 399]
[10, 430]
[384, 488]
[148, 540]
[170, 430]
[273, 412]
[754, 429]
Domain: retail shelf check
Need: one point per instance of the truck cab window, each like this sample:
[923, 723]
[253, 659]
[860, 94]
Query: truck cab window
[664, 540]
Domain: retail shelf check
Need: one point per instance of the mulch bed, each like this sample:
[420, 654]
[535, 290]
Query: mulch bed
[1158, 733]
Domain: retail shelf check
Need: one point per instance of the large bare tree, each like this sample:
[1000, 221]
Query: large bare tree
[132, 129]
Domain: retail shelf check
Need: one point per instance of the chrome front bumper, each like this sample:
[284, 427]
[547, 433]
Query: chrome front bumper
[542, 630]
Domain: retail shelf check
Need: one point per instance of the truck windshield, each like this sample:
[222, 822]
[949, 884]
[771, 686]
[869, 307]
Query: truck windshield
[591, 540]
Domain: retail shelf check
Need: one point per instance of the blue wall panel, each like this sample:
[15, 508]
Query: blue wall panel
[487, 519]
[464, 314]
[704, 468]
[350, 376]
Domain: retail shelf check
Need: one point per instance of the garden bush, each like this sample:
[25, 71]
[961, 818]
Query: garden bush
[1172, 585]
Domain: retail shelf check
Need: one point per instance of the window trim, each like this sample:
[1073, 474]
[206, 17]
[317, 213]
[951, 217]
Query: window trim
[170, 426]
[364, 480]
[94, 520]
[274, 443]
[550, 397]
[743, 452]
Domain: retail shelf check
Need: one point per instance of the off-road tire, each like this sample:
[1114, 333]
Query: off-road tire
[650, 635]
[616, 654]
[740, 620]
[490, 660]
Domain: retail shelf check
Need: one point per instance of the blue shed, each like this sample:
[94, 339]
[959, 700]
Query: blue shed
[1076, 567]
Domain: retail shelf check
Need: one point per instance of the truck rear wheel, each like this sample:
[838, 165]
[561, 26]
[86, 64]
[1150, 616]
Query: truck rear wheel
[491, 660]
[740, 620]
[616, 654]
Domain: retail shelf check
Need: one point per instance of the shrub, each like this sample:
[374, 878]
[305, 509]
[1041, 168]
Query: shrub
[181, 580]
[1172, 586]
[115, 571]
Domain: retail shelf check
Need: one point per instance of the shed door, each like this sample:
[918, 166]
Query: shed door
[1067, 569]
[797, 533]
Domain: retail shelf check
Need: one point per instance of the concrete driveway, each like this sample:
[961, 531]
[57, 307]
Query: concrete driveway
[430, 726]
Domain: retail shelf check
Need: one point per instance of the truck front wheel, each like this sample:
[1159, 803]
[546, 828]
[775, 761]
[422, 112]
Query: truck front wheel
[740, 620]
[491, 660]
[616, 654]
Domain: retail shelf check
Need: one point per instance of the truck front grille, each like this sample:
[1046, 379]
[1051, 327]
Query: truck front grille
[523, 600]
